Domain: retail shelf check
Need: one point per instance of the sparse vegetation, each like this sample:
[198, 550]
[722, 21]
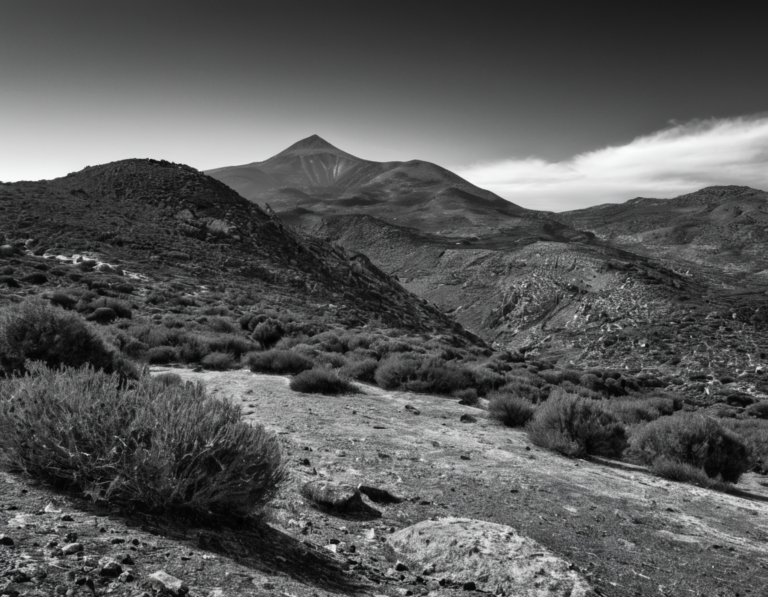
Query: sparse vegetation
[321, 381]
[694, 440]
[156, 446]
[576, 427]
[276, 361]
[511, 410]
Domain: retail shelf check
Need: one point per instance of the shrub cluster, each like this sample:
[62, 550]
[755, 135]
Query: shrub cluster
[576, 426]
[155, 445]
[694, 440]
[321, 381]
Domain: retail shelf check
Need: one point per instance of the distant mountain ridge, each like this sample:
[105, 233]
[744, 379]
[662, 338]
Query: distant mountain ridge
[314, 175]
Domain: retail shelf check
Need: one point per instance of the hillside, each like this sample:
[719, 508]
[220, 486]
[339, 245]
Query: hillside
[723, 228]
[314, 175]
[154, 226]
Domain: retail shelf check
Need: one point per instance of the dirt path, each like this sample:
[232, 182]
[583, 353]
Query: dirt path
[630, 533]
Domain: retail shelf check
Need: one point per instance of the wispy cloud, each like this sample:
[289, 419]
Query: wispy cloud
[677, 160]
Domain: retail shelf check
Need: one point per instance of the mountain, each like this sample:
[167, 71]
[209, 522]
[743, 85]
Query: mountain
[177, 230]
[314, 176]
[722, 227]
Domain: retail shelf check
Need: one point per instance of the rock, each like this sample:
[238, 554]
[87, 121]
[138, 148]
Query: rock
[413, 409]
[66, 518]
[468, 419]
[380, 496]
[6, 540]
[469, 586]
[493, 556]
[165, 582]
[126, 577]
[71, 548]
[127, 559]
[109, 568]
[400, 567]
[337, 496]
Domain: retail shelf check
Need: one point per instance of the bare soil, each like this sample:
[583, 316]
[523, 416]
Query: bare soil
[628, 532]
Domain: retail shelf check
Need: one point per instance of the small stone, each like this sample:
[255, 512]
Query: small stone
[126, 577]
[127, 560]
[117, 541]
[6, 540]
[468, 419]
[71, 548]
[165, 582]
[400, 567]
[109, 568]
[66, 518]
[60, 590]
[465, 457]
[469, 586]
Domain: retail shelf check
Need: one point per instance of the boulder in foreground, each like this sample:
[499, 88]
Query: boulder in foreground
[493, 556]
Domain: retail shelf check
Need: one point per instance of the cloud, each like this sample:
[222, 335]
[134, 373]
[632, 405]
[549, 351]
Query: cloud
[677, 160]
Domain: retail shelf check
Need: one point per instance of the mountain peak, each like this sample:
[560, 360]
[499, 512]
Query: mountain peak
[312, 142]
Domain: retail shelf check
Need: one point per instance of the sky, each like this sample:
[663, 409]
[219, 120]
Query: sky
[554, 105]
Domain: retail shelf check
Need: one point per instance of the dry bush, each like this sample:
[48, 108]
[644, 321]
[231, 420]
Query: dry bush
[695, 440]
[576, 427]
[37, 331]
[148, 445]
[754, 433]
[400, 372]
[162, 355]
[218, 361]
[362, 370]
[276, 361]
[511, 410]
[321, 381]
[686, 473]
[758, 410]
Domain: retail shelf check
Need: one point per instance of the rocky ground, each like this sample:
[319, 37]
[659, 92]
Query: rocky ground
[618, 528]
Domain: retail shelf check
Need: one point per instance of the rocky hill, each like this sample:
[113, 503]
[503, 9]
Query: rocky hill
[721, 228]
[153, 225]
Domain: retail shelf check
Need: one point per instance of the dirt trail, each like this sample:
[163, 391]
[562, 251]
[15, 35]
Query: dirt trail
[630, 533]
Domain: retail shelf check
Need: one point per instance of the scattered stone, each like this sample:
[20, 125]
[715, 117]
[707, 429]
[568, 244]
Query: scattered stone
[126, 577]
[109, 568]
[465, 457]
[66, 518]
[380, 496]
[165, 582]
[413, 409]
[493, 556]
[400, 567]
[127, 560]
[71, 548]
[51, 509]
[337, 496]
[117, 541]
[469, 586]
[6, 540]
[468, 419]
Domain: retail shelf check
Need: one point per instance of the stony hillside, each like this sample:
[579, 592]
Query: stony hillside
[156, 225]
[722, 227]
[314, 175]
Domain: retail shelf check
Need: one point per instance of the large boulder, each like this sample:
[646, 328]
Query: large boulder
[492, 556]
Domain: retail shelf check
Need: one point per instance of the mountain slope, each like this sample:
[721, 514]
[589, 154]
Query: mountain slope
[164, 221]
[723, 226]
[314, 175]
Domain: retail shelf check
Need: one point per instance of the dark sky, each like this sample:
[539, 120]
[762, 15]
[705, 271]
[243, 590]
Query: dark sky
[221, 83]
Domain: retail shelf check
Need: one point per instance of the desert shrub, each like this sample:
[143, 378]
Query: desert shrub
[334, 360]
[759, 410]
[156, 447]
[35, 278]
[552, 376]
[102, 315]
[276, 361]
[575, 427]
[161, 355]
[37, 331]
[221, 325]
[484, 380]
[134, 348]
[268, 333]
[633, 412]
[754, 433]
[591, 382]
[193, 349]
[218, 361]
[363, 370]
[467, 396]
[357, 341]
[329, 342]
[684, 473]
[695, 440]
[62, 299]
[233, 343]
[167, 379]
[9, 281]
[511, 410]
[415, 375]
[522, 389]
[321, 381]
[121, 308]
